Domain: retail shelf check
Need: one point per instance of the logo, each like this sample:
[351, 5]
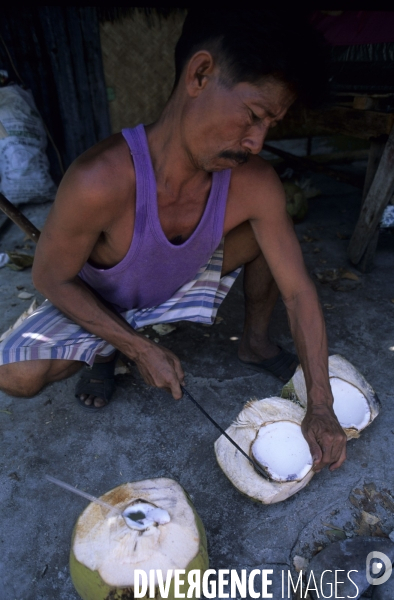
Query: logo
[376, 568]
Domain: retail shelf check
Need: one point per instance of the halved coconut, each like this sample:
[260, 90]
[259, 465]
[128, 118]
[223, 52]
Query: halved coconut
[282, 451]
[270, 430]
[157, 528]
[355, 403]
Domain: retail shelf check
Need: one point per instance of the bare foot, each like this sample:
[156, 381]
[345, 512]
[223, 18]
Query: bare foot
[95, 400]
[256, 350]
[266, 356]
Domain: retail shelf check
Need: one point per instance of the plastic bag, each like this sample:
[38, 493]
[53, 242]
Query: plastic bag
[24, 166]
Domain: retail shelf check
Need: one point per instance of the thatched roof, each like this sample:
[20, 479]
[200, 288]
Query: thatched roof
[114, 13]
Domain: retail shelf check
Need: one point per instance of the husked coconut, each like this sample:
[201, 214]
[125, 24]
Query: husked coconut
[270, 431]
[155, 528]
[355, 403]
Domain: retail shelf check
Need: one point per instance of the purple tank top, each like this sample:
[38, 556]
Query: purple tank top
[154, 268]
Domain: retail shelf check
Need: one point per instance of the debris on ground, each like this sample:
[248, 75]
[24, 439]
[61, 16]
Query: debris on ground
[308, 239]
[300, 563]
[19, 261]
[330, 275]
[164, 328]
[341, 279]
[4, 259]
[121, 368]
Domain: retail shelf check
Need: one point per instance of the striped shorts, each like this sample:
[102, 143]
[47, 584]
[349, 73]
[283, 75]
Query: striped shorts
[48, 333]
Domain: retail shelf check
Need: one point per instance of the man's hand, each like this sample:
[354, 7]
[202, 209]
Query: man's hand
[325, 436]
[160, 368]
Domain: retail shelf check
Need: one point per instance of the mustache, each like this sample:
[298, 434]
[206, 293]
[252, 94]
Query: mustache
[239, 157]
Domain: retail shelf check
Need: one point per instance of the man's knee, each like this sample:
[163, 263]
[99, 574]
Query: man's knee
[27, 378]
[22, 379]
[240, 247]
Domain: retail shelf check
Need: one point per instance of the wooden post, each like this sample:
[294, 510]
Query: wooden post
[19, 219]
[375, 154]
[376, 199]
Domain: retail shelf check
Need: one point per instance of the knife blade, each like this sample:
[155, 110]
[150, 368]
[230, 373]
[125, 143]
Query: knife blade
[254, 464]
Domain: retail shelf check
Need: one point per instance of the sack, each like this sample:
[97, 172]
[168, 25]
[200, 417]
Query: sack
[24, 166]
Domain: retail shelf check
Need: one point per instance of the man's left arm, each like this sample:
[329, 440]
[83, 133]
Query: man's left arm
[321, 429]
[275, 235]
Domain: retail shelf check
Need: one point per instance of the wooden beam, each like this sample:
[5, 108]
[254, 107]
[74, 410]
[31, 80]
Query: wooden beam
[376, 200]
[347, 156]
[362, 124]
[310, 165]
[348, 121]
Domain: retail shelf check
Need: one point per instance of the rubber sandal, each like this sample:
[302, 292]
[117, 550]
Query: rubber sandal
[282, 366]
[104, 388]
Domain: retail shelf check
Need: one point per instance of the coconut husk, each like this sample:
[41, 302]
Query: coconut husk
[341, 368]
[240, 472]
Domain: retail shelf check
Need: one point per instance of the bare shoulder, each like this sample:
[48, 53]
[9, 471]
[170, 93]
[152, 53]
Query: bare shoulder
[102, 177]
[258, 186]
[95, 195]
[255, 192]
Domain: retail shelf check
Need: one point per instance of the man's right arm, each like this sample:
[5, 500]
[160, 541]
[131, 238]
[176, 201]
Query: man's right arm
[85, 208]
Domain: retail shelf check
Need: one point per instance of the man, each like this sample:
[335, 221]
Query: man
[138, 215]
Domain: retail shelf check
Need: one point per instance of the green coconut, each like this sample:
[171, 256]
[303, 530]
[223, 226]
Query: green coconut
[296, 201]
[155, 527]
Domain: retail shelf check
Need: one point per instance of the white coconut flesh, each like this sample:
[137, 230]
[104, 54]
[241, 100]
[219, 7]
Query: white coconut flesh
[250, 421]
[142, 515]
[156, 529]
[281, 449]
[350, 405]
[355, 402]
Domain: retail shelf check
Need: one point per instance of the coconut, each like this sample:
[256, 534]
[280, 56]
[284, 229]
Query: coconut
[296, 202]
[154, 527]
[270, 431]
[355, 403]
[282, 451]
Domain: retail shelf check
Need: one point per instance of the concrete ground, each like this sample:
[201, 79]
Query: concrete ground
[143, 433]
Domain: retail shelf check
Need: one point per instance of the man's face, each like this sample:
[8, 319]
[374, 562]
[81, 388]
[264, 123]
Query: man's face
[227, 125]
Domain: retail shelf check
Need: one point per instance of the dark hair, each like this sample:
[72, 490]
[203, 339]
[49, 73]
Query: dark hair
[251, 44]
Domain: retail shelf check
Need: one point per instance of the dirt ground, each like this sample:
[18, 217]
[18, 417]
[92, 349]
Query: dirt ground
[143, 433]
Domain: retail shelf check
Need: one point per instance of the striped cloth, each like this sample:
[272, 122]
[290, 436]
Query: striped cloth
[48, 333]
